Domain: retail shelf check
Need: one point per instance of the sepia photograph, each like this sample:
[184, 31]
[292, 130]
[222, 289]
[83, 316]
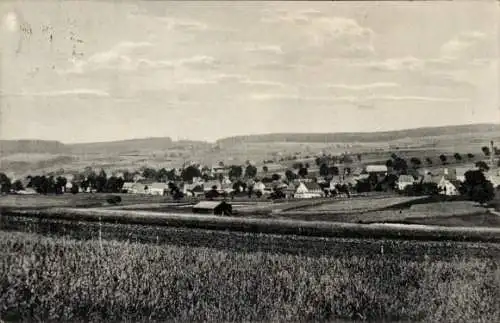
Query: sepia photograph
[249, 161]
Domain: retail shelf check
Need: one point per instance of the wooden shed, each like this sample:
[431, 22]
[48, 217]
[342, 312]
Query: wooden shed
[213, 207]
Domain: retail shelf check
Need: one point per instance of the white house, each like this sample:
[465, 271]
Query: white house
[128, 187]
[259, 186]
[448, 187]
[404, 181]
[157, 189]
[308, 190]
[376, 169]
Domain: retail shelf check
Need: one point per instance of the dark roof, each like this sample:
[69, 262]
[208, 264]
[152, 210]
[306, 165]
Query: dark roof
[208, 204]
[312, 186]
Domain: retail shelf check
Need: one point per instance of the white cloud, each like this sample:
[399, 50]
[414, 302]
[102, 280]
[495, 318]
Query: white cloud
[259, 48]
[72, 92]
[353, 99]
[408, 63]
[174, 23]
[363, 86]
[456, 46]
[117, 57]
[262, 83]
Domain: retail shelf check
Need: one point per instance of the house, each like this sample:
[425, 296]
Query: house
[209, 185]
[68, 186]
[140, 188]
[27, 191]
[128, 187]
[308, 190]
[376, 169]
[213, 207]
[259, 186]
[404, 181]
[158, 189]
[448, 187]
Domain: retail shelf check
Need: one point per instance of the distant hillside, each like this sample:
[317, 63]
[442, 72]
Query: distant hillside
[122, 146]
[31, 146]
[350, 137]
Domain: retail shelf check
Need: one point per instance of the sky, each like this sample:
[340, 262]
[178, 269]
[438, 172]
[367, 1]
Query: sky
[88, 71]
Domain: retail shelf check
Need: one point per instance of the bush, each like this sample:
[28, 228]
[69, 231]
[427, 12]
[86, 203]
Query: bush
[114, 199]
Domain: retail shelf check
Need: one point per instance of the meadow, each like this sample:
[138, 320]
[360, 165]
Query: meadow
[62, 279]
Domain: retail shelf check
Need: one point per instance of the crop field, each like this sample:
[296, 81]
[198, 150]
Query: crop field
[63, 279]
[70, 200]
[357, 204]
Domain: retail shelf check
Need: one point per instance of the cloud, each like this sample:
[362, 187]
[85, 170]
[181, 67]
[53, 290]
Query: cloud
[262, 83]
[72, 92]
[259, 48]
[408, 63]
[352, 99]
[456, 46]
[118, 57]
[336, 36]
[363, 86]
[174, 23]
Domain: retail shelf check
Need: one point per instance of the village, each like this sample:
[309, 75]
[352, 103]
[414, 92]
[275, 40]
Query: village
[321, 176]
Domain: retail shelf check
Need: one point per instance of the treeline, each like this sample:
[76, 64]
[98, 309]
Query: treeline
[360, 136]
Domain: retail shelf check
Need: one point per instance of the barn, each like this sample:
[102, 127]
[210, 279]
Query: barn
[213, 207]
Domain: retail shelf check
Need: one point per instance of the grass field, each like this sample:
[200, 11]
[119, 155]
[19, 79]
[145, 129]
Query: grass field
[61, 279]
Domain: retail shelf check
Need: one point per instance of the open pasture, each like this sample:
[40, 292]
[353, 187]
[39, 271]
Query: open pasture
[61, 279]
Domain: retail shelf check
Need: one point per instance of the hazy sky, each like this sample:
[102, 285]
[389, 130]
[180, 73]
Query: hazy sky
[94, 71]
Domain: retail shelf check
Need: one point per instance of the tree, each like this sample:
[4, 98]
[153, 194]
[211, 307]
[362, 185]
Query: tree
[189, 173]
[334, 170]
[5, 183]
[235, 171]
[303, 172]
[290, 176]
[276, 177]
[400, 165]
[359, 157]
[128, 176]
[470, 156]
[17, 186]
[486, 151]
[162, 175]
[428, 160]
[389, 163]
[415, 162]
[60, 184]
[265, 169]
[458, 157]
[477, 188]
[318, 161]
[100, 181]
[443, 159]
[324, 170]
[250, 171]
[74, 188]
[149, 173]
[483, 167]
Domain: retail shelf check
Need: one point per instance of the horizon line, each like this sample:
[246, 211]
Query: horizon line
[248, 135]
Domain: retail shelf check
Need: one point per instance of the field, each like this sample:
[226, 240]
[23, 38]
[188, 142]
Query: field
[60, 279]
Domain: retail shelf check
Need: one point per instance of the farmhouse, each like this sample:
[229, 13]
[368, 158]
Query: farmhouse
[308, 190]
[128, 187]
[404, 181]
[448, 187]
[209, 185]
[259, 186]
[376, 169]
[213, 207]
[158, 189]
